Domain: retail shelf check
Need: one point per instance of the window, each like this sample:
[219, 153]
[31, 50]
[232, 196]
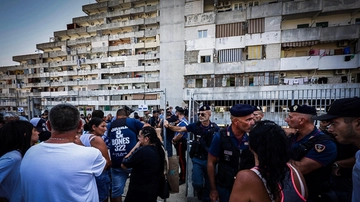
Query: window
[198, 83]
[302, 26]
[322, 24]
[253, 3]
[205, 58]
[357, 21]
[202, 33]
[238, 7]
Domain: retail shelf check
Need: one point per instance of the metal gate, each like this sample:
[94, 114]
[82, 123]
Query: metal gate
[275, 104]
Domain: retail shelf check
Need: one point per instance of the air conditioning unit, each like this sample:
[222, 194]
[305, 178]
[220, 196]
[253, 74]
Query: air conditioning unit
[343, 43]
[340, 71]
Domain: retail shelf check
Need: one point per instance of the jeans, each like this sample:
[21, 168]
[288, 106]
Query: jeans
[224, 194]
[103, 185]
[200, 177]
[169, 147]
[119, 177]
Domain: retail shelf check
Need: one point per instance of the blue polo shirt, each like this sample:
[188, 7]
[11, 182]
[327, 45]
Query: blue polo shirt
[215, 148]
[323, 152]
[183, 122]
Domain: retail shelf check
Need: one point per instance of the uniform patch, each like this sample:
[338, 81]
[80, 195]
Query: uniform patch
[319, 147]
[228, 152]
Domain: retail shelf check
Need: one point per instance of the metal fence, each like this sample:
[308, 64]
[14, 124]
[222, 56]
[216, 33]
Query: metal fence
[275, 104]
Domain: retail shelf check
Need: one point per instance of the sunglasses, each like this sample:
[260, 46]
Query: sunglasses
[201, 114]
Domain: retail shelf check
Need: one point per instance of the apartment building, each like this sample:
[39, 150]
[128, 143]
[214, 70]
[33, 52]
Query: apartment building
[271, 53]
[159, 52]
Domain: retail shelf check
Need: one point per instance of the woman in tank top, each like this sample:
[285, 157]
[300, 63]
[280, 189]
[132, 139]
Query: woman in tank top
[273, 178]
[92, 138]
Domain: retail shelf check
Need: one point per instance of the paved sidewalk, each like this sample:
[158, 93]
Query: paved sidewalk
[180, 197]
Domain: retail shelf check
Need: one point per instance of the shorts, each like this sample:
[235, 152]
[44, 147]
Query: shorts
[119, 177]
[103, 185]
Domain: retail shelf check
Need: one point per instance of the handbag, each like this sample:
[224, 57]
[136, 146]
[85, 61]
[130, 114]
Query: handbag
[173, 174]
[164, 188]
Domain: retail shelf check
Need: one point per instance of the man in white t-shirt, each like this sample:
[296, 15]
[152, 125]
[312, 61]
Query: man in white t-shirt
[58, 169]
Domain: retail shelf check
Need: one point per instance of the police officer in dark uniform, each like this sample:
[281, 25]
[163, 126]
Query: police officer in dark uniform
[230, 150]
[203, 130]
[313, 152]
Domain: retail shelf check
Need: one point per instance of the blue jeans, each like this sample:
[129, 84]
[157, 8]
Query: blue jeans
[200, 177]
[103, 185]
[224, 194]
[169, 147]
[119, 177]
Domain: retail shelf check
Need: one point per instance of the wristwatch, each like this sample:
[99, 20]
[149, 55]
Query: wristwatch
[335, 165]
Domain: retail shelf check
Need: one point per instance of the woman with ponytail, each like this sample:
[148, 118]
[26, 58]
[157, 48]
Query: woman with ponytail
[147, 162]
[273, 178]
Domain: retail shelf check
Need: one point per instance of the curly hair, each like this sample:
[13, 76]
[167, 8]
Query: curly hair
[269, 141]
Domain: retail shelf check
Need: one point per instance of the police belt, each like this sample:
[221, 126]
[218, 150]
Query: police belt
[200, 156]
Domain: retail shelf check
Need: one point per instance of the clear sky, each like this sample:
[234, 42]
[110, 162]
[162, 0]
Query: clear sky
[25, 23]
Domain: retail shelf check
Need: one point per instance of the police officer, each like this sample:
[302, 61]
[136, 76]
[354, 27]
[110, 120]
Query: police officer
[258, 113]
[312, 152]
[203, 131]
[230, 150]
[344, 118]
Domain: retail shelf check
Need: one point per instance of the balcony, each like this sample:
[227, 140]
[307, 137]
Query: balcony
[200, 68]
[50, 45]
[305, 8]
[20, 58]
[79, 41]
[304, 34]
[337, 62]
[262, 65]
[200, 44]
[320, 63]
[95, 6]
[340, 6]
[90, 18]
[265, 10]
[340, 33]
[321, 34]
[200, 19]
[149, 21]
[120, 47]
[263, 38]
[57, 54]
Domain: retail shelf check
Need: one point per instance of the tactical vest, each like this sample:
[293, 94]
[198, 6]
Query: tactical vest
[231, 161]
[122, 140]
[318, 181]
[202, 141]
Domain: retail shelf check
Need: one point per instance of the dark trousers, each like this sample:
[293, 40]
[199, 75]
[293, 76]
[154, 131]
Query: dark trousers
[181, 152]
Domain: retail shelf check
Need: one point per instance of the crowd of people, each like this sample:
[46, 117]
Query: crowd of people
[67, 156]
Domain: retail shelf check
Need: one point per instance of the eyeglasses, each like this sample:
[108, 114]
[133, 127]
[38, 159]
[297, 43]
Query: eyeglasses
[201, 114]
